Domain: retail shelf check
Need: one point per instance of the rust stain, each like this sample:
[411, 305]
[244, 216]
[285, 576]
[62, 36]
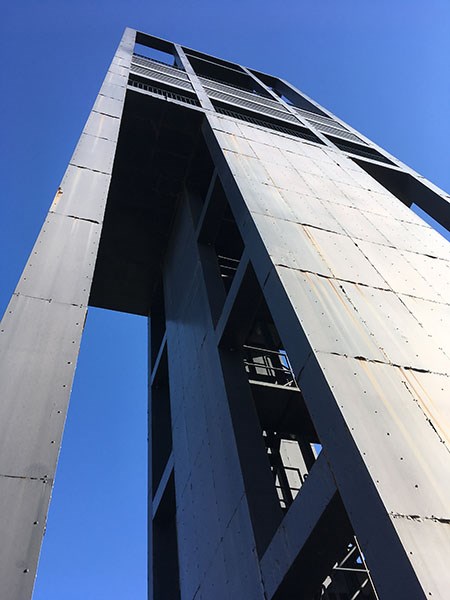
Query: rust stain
[402, 427]
[426, 403]
[57, 197]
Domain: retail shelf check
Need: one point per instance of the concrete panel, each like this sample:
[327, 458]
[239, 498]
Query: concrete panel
[39, 348]
[94, 153]
[62, 261]
[82, 194]
[24, 504]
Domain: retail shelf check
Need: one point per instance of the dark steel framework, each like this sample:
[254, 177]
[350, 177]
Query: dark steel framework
[298, 352]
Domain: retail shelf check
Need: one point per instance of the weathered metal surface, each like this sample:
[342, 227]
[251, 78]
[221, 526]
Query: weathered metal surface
[94, 153]
[386, 367]
[357, 287]
[82, 193]
[103, 126]
[65, 251]
[39, 346]
[25, 502]
[108, 106]
[40, 336]
[399, 272]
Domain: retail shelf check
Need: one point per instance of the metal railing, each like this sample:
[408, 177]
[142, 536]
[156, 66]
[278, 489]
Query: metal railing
[269, 366]
[164, 93]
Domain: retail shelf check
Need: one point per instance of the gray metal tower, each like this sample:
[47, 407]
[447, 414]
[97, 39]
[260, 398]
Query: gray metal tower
[299, 344]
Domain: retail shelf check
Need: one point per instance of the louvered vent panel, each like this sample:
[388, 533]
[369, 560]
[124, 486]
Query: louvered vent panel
[327, 125]
[257, 108]
[154, 65]
[317, 118]
[238, 92]
[342, 133]
[163, 77]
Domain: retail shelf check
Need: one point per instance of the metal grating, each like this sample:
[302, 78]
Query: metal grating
[210, 84]
[343, 133]
[163, 77]
[365, 151]
[165, 93]
[318, 118]
[257, 108]
[301, 133]
[155, 65]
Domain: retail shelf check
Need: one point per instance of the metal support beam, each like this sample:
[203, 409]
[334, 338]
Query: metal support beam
[41, 334]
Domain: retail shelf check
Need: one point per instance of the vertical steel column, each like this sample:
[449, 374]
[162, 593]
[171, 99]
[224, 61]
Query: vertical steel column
[41, 331]
[205, 102]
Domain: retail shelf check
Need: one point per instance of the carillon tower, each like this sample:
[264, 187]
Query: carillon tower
[299, 418]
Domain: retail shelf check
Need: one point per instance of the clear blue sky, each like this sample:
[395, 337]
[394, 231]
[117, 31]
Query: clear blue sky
[382, 66]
